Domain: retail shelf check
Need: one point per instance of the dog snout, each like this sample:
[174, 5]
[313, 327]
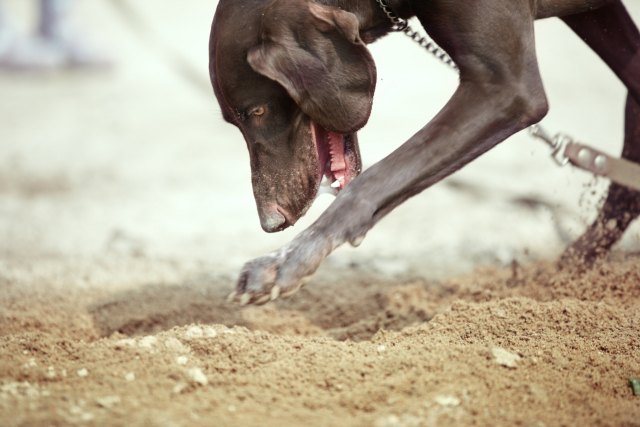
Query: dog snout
[272, 218]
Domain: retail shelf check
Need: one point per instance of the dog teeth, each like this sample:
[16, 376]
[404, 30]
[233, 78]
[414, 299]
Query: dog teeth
[275, 292]
[326, 187]
[326, 181]
[336, 184]
[327, 190]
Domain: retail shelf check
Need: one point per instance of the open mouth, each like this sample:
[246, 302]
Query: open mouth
[339, 158]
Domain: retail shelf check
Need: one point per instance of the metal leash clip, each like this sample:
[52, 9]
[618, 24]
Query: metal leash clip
[558, 143]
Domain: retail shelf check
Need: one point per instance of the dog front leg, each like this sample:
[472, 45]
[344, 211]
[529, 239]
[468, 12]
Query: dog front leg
[500, 93]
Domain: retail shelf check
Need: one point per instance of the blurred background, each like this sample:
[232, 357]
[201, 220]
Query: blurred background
[134, 161]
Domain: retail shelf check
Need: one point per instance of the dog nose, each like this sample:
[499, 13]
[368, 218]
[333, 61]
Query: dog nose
[272, 219]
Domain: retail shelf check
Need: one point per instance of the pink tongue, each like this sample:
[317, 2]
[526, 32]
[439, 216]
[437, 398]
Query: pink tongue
[336, 149]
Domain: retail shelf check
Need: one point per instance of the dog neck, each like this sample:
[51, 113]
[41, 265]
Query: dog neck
[369, 13]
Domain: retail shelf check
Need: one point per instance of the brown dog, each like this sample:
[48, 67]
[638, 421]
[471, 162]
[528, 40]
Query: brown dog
[296, 77]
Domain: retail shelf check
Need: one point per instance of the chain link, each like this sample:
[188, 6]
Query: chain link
[401, 25]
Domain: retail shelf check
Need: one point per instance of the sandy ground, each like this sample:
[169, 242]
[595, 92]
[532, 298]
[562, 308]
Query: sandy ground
[527, 346]
[126, 211]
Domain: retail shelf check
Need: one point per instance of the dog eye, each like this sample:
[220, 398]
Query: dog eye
[258, 111]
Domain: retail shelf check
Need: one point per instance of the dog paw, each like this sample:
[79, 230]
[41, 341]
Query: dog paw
[278, 275]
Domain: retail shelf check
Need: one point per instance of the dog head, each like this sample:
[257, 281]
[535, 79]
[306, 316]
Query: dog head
[297, 80]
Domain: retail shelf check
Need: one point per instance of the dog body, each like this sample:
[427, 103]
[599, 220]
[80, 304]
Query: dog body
[296, 78]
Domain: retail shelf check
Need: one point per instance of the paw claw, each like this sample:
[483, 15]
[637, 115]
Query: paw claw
[357, 241]
[244, 299]
[262, 300]
[289, 293]
[275, 292]
[305, 280]
[232, 296]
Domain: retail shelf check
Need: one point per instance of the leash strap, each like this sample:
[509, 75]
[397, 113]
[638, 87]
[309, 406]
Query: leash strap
[564, 150]
[620, 171]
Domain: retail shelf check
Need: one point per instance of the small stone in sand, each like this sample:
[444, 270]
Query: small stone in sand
[51, 372]
[108, 402]
[128, 342]
[198, 376]
[148, 342]
[209, 332]
[447, 400]
[182, 360]
[130, 376]
[87, 416]
[83, 372]
[180, 387]
[505, 358]
[194, 332]
[175, 345]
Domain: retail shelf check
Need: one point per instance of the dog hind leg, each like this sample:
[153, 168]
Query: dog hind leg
[612, 34]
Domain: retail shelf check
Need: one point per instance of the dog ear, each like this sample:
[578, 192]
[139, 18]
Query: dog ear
[323, 64]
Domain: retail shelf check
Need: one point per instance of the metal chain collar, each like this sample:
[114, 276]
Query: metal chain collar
[425, 42]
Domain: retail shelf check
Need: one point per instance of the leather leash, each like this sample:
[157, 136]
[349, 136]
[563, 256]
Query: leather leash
[563, 149]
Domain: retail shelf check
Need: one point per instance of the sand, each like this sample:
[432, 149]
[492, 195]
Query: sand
[528, 345]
